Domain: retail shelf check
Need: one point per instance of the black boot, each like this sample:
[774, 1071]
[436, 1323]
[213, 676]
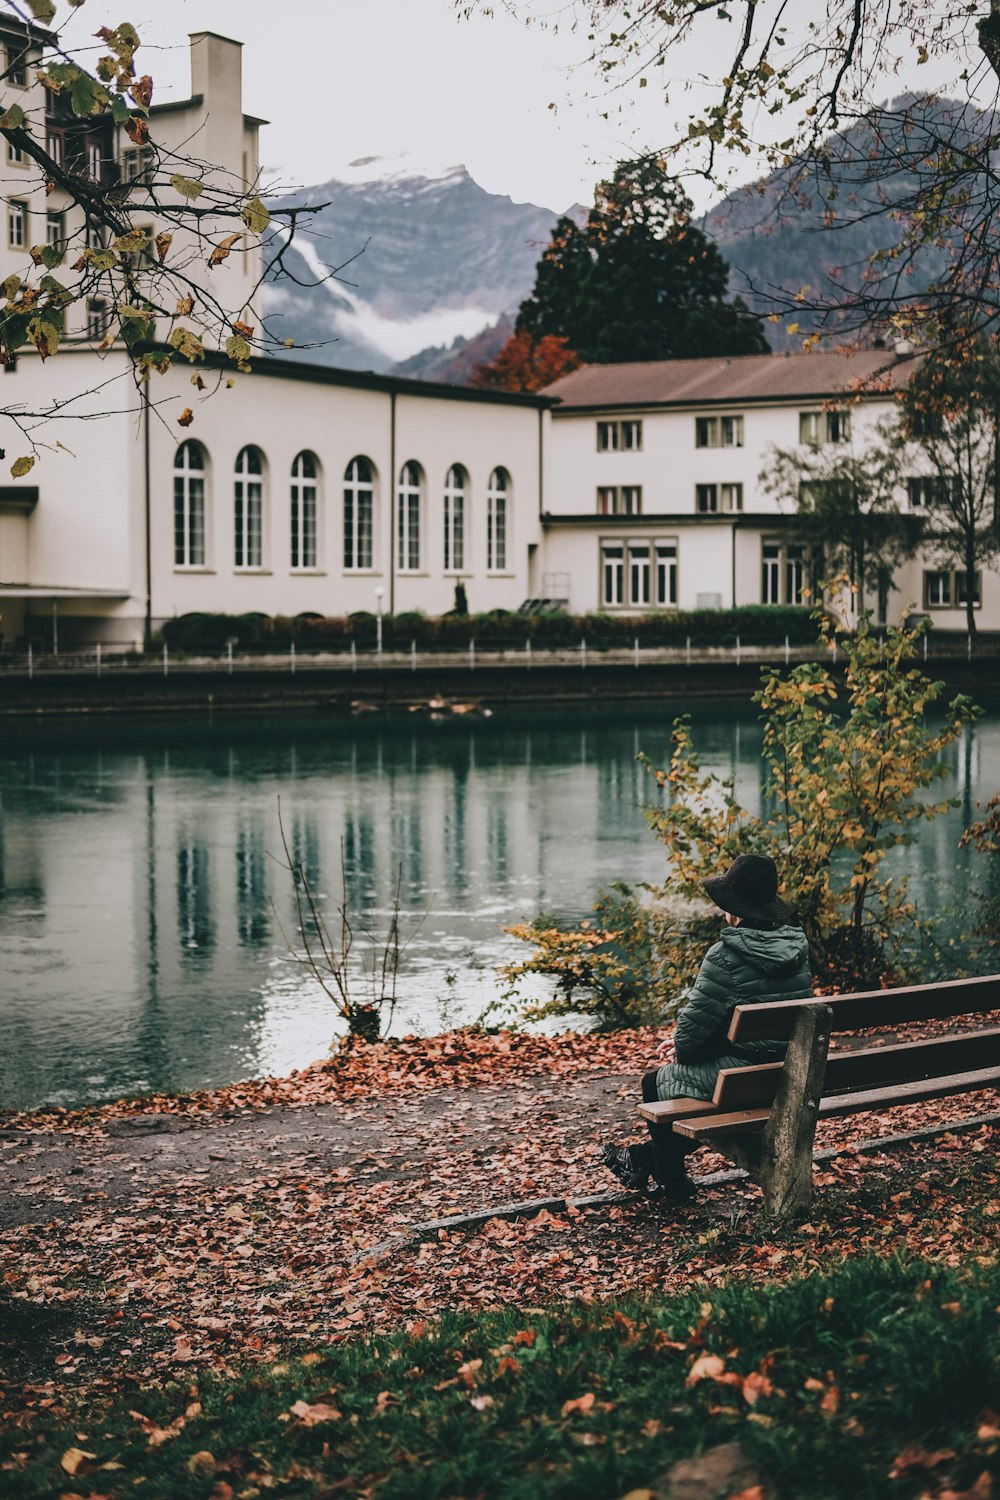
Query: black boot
[632, 1165]
[669, 1153]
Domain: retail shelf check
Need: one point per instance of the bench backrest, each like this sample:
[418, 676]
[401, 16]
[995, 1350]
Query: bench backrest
[868, 1067]
[773, 1019]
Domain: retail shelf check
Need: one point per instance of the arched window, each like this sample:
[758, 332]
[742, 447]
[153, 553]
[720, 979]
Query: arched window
[497, 521]
[359, 513]
[455, 485]
[411, 489]
[248, 509]
[189, 506]
[305, 476]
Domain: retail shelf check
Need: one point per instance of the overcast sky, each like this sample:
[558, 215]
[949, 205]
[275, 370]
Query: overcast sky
[342, 79]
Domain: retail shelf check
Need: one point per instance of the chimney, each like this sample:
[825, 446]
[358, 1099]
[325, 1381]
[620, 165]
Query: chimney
[217, 70]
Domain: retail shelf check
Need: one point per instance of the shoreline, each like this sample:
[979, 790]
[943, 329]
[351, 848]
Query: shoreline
[449, 688]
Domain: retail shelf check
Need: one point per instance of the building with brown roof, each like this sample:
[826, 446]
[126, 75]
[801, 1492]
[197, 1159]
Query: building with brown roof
[655, 494]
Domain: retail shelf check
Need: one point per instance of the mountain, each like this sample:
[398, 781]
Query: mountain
[817, 222]
[457, 362]
[433, 267]
[426, 258]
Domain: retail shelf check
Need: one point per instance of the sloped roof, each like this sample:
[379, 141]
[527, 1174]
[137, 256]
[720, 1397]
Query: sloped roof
[742, 377]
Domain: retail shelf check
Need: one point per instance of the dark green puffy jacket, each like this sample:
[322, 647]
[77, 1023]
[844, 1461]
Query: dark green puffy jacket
[745, 965]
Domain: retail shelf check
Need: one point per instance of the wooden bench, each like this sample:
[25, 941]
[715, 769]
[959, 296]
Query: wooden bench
[764, 1117]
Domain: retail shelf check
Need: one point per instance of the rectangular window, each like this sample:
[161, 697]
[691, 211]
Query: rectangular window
[784, 572]
[619, 437]
[136, 259]
[638, 574]
[718, 432]
[706, 498]
[666, 574]
[612, 575]
[795, 574]
[496, 533]
[408, 523]
[962, 589]
[56, 147]
[16, 65]
[303, 524]
[249, 523]
[15, 155]
[95, 236]
[96, 159]
[818, 427]
[770, 584]
[97, 318]
[937, 590]
[137, 162]
[454, 532]
[838, 426]
[731, 496]
[619, 500]
[189, 521]
[55, 230]
[17, 224]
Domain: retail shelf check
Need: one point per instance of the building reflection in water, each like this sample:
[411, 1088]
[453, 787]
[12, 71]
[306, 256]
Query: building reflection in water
[137, 889]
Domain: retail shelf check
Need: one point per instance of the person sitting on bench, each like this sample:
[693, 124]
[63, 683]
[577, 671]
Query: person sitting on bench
[762, 955]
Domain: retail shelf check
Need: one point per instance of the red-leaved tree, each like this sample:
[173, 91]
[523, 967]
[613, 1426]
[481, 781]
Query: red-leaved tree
[524, 364]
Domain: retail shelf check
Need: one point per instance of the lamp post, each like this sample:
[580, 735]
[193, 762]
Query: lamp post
[379, 596]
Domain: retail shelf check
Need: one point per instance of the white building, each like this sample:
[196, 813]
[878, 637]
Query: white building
[301, 489]
[296, 489]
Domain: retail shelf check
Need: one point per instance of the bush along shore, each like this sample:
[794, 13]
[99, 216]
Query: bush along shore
[754, 625]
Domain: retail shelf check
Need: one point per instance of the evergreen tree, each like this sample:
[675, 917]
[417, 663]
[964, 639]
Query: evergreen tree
[637, 281]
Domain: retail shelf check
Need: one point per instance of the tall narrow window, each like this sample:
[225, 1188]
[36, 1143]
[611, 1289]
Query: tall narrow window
[497, 521]
[409, 505]
[189, 506]
[770, 583]
[55, 230]
[455, 485]
[303, 516]
[17, 224]
[612, 574]
[795, 573]
[666, 574]
[638, 571]
[359, 514]
[97, 317]
[248, 509]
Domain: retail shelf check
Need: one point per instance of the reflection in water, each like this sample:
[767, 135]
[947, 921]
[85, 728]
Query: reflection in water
[252, 923]
[137, 885]
[195, 929]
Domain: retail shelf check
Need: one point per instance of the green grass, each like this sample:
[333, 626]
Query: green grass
[866, 1361]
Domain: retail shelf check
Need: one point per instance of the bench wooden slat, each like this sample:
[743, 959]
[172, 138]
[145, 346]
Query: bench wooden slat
[744, 1088]
[664, 1111]
[773, 1019]
[707, 1127]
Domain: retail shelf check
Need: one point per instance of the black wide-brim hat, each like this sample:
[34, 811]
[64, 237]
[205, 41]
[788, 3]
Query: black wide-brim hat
[749, 889]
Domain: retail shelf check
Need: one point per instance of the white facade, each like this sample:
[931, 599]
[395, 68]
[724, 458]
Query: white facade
[660, 502]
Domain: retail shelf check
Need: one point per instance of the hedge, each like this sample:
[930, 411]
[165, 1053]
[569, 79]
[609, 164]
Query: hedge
[754, 624]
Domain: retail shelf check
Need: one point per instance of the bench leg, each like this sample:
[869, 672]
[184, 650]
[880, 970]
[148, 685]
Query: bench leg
[784, 1169]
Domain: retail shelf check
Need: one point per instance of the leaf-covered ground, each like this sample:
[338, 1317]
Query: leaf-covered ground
[151, 1239]
[876, 1377]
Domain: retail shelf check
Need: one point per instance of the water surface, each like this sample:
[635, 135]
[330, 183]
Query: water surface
[146, 920]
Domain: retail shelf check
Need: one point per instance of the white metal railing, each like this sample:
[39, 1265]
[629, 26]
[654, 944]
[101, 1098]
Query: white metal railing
[104, 659]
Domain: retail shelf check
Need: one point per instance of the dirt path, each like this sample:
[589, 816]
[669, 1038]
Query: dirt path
[61, 1175]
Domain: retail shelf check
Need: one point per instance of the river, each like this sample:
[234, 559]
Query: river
[147, 922]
